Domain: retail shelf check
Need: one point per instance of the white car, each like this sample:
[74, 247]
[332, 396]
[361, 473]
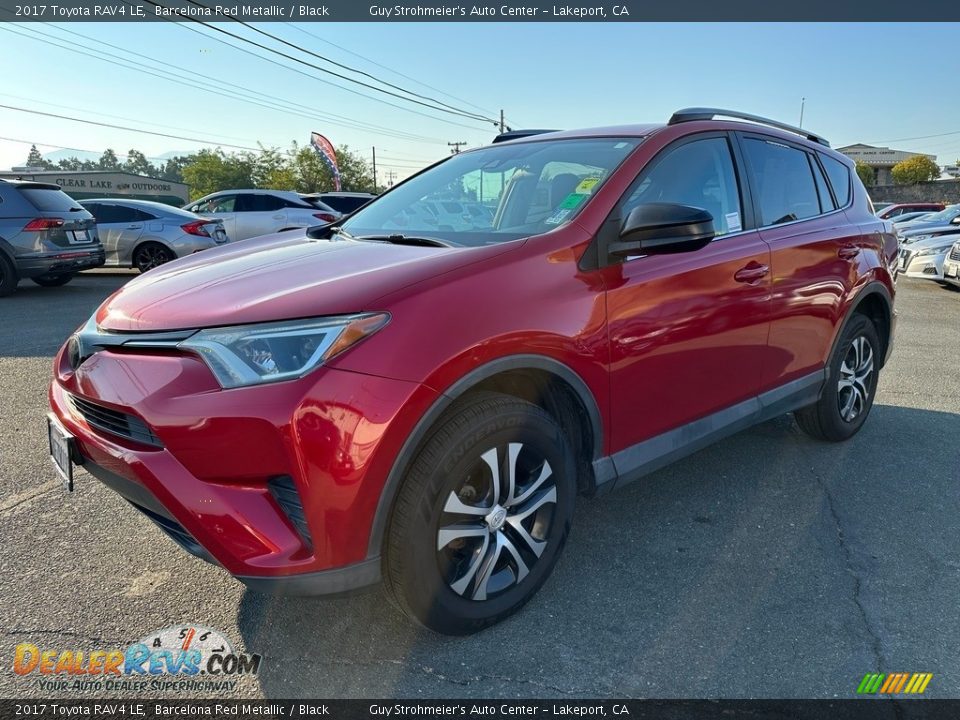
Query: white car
[924, 259]
[951, 265]
[250, 213]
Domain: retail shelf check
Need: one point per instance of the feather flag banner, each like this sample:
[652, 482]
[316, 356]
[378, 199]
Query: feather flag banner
[326, 152]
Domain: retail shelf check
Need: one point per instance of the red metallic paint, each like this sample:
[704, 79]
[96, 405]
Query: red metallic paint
[659, 342]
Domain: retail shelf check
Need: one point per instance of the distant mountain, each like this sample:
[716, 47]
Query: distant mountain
[56, 156]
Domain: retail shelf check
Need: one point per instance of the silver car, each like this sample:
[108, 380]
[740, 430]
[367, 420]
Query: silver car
[144, 234]
[251, 213]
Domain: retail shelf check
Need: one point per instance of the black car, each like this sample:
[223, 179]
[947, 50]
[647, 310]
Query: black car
[44, 235]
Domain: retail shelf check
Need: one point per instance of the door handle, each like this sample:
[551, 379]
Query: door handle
[848, 252]
[752, 273]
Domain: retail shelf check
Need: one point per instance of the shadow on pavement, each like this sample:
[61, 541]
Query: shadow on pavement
[769, 565]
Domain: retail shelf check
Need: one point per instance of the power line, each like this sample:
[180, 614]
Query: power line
[184, 26]
[918, 137]
[321, 69]
[130, 129]
[387, 68]
[455, 110]
[140, 68]
[73, 149]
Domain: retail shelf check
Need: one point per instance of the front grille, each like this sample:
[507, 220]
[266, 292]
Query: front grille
[955, 252]
[114, 422]
[284, 491]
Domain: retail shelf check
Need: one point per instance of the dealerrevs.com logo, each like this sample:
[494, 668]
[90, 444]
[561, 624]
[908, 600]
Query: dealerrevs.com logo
[179, 658]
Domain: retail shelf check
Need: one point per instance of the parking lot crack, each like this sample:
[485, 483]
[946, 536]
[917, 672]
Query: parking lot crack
[849, 566]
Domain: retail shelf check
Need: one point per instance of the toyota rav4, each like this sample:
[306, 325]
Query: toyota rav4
[420, 399]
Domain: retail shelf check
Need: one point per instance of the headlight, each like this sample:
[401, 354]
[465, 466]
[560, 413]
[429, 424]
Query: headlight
[935, 250]
[270, 352]
[917, 238]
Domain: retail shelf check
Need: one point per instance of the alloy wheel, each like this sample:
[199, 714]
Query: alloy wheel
[150, 256]
[494, 527]
[856, 371]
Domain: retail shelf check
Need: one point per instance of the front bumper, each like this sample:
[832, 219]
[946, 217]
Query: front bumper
[279, 484]
[951, 267]
[59, 262]
[923, 267]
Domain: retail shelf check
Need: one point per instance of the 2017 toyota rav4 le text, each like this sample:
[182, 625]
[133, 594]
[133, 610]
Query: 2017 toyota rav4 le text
[422, 403]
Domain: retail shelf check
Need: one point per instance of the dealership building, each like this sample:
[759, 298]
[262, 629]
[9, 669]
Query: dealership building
[881, 159]
[86, 184]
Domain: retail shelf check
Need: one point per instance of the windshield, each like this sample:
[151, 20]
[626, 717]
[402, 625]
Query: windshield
[496, 194]
[944, 215]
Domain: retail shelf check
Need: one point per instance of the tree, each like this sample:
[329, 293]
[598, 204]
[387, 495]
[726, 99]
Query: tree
[867, 174]
[213, 170]
[108, 161]
[913, 170]
[35, 159]
[138, 164]
[273, 170]
[313, 175]
[172, 169]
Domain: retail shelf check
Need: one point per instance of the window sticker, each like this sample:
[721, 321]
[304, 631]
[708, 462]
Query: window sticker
[572, 200]
[557, 217]
[733, 222]
[586, 185]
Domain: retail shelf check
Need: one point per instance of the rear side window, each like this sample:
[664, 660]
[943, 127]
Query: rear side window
[784, 181]
[49, 200]
[259, 203]
[839, 176]
[826, 202]
[345, 204]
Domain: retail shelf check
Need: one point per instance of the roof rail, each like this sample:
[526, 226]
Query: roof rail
[691, 114]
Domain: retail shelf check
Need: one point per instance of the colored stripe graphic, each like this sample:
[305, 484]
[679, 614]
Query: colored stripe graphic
[894, 683]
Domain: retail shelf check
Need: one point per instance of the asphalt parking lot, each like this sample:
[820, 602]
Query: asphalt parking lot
[767, 566]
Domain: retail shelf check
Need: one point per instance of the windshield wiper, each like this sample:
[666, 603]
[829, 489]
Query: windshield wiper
[406, 240]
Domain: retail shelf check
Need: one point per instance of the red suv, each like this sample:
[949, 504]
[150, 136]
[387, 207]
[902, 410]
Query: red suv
[419, 395]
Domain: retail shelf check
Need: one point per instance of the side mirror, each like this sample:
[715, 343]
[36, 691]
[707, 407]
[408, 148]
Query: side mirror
[661, 228]
[956, 220]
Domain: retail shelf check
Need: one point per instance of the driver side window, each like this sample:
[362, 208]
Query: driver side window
[699, 173]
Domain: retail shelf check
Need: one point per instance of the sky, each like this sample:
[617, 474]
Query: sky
[884, 84]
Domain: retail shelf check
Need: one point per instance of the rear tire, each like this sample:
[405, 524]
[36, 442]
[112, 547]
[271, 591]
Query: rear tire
[53, 280]
[847, 398]
[462, 551]
[8, 276]
[151, 255]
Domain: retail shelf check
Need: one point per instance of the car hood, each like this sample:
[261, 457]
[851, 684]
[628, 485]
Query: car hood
[275, 277]
[908, 234]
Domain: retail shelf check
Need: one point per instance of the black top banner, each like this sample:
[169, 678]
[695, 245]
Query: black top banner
[335, 11]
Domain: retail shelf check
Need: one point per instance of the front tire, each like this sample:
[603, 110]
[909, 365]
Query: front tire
[847, 398]
[481, 517]
[8, 276]
[53, 280]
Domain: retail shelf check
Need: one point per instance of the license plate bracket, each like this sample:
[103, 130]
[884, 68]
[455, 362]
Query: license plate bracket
[60, 443]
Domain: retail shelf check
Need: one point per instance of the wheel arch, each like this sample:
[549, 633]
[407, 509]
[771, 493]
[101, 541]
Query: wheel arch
[874, 301]
[539, 379]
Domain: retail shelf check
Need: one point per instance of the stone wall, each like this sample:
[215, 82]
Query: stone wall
[942, 191]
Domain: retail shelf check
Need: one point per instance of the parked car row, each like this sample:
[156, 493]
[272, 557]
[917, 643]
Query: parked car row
[925, 243]
[47, 236]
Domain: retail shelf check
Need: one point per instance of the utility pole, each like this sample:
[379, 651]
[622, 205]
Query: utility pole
[803, 102]
[390, 176]
[374, 167]
[456, 147]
